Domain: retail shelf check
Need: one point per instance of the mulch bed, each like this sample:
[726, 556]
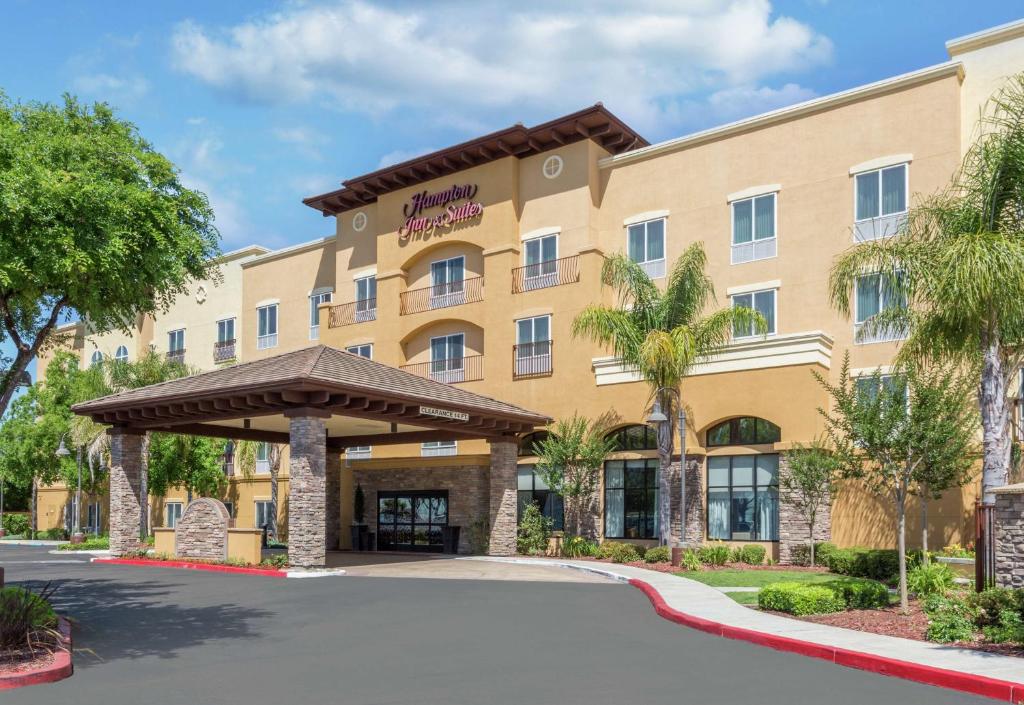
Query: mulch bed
[15, 662]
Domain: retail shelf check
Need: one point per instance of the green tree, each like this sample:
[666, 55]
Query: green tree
[247, 464]
[662, 334]
[94, 220]
[569, 459]
[192, 462]
[810, 482]
[886, 430]
[960, 260]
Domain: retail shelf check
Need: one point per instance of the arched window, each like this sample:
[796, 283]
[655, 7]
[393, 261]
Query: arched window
[121, 355]
[528, 443]
[97, 357]
[637, 437]
[743, 431]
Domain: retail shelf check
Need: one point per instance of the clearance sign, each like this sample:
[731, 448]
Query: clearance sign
[454, 211]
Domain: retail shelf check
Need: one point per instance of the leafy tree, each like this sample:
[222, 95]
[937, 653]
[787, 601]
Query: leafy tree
[94, 220]
[810, 483]
[247, 464]
[662, 334]
[961, 264]
[887, 430]
[570, 458]
[192, 462]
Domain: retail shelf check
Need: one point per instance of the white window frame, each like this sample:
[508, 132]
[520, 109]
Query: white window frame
[655, 268]
[118, 357]
[359, 453]
[220, 322]
[536, 276]
[357, 350]
[858, 322]
[775, 310]
[432, 449]
[533, 363]
[268, 507]
[449, 295]
[96, 358]
[880, 226]
[267, 340]
[366, 306]
[315, 299]
[449, 375]
[263, 464]
[171, 518]
[769, 246]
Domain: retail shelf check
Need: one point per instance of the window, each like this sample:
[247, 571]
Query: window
[880, 199]
[97, 358]
[876, 293]
[230, 506]
[533, 346]
[636, 437]
[266, 327]
[753, 229]
[94, 520]
[314, 312]
[172, 511]
[264, 511]
[262, 457]
[552, 166]
[227, 459]
[646, 245]
[364, 350]
[226, 330]
[743, 431]
[528, 443]
[121, 354]
[533, 490]
[743, 497]
[540, 256]
[447, 358]
[412, 521]
[447, 280]
[869, 386]
[631, 499]
[358, 452]
[366, 299]
[761, 301]
[176, 342]
[433, 448]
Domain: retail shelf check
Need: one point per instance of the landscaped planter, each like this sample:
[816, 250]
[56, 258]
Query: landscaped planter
[964, 567]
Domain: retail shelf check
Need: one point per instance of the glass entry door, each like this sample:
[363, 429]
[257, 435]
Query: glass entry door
[412, 520]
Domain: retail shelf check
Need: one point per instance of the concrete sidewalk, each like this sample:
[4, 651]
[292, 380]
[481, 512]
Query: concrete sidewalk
[691, 599]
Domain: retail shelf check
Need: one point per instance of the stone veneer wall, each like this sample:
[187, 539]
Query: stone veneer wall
[503, 498]
[1009, 536]
[202, 531]
[695, 522]
[126, 465]
[332, 529]
[794, 529]
[468, 489]
[307, 492]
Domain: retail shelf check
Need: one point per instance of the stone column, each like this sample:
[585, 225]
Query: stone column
[307, 488]
[503, 498]
[126, 467]
[1009, 536]
[332, 530]
[693, 536]
[794, 529]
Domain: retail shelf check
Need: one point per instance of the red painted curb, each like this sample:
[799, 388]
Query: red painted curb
[59, 669]
[211, 567]
[955, 680]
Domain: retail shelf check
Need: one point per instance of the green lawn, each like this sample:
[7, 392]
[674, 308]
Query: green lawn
[737, 577]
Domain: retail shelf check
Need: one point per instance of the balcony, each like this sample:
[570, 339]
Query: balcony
[264, 342]
[176, 355]
[450, 371]
[224, 350]
[354, 312]
[754, 250]
[532, 359]
[878, 228]
[541, 275]
[456, 293]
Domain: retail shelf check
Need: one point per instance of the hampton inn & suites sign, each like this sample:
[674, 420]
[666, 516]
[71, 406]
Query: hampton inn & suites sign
[458, 205]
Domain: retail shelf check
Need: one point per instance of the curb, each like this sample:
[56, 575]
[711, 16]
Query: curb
[61, 668]
[965, 682]
[210, 567]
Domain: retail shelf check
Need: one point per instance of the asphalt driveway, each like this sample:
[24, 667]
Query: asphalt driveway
[162, 636]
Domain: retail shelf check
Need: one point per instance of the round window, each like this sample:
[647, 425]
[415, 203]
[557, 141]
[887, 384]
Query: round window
[552, 166]
[359, 222]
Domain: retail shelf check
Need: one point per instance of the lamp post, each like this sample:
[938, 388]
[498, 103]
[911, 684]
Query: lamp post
[63, 452]
[657, 416]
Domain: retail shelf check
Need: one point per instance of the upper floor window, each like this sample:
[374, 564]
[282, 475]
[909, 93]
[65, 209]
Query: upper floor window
[227, 459]
[364, 350]
[448, 282]
[176, 340]
[646, 245]
[533, 346]
[266, 327]
[431, 448]
[448, 358]
[880, 200]
[226, 330]
[540, 256]
[743, 431]
[314, 312]
[875, 293]
[753, 229]
[97, 357]
[636, 437]
[262, 457]
[121, 354]
[761, 301]
[366, 298]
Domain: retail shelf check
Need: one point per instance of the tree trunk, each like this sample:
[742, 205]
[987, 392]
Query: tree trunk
[995, 427]
[33, 527]
[144, 491]
[924, 525]
[812, 522]
[665, 445]
[901, 511]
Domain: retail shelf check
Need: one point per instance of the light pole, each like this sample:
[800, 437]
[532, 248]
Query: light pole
[657, 416]
[63, 452]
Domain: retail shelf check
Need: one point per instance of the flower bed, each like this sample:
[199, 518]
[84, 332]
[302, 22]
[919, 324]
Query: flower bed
[34, 641]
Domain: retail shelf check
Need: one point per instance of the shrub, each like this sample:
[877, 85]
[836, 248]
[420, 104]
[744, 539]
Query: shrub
[752, 554]
[989, 605]
[950, 618]
[16, 524]
[619, 552]
[578, 546]
[658, 554]
[26, 618]
[534, 532]
[799, 599]
[1010, 628]
[691, 561]
[860, 593]
[640, 550]
[56, 533]
[801, 554]
[714, 554]
[93, 543]
[955, 550]
[930, 579]
[279, 560]
[875, 563]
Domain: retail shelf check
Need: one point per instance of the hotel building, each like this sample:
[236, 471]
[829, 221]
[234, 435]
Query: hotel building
[468, 266]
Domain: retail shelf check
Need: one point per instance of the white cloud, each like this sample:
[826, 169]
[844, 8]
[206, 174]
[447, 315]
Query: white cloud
[467, 61]
[398, 156]
[113, 89]
[305, 141]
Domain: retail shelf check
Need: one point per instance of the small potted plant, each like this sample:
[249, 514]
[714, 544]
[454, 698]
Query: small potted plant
[359, 528]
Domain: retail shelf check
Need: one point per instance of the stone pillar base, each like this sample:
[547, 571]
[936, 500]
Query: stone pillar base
[126, 467]
[503, 499]
[307, 489]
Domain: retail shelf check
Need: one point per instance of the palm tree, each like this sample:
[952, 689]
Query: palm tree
[662, 335]
[958, 264]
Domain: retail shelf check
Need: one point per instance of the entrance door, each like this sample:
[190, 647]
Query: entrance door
[412, 520]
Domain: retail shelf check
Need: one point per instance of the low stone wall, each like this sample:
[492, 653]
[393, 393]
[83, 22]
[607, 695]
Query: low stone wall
[1009, 536]
[202, 530]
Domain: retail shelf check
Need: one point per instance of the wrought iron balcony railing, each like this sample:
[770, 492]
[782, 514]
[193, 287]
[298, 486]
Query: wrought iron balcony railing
[353, 312]
[532, 359]
[541, 275]
[450, 371]
[224, 350]
[176, 355]
[456, 293]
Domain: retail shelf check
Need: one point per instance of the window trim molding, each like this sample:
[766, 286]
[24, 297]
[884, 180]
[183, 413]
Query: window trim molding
[881, 163]
[753, 192]
[541, 232]
[751, 288]
[906, 194]
[644, 217]
[775, 312]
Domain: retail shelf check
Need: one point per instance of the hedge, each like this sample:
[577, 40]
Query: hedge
[874, 563]
[822, 598]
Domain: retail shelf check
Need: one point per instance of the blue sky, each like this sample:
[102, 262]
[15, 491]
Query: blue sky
[261, 103]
